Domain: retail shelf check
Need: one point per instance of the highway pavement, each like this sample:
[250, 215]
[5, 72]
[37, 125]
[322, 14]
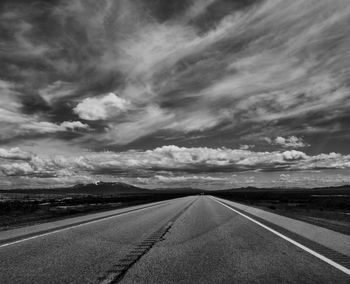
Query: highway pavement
[194, 239]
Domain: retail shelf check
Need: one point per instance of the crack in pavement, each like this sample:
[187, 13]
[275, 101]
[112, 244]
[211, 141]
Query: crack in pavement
[117, 273]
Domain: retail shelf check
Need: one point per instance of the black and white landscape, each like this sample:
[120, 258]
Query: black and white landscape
[174, 141]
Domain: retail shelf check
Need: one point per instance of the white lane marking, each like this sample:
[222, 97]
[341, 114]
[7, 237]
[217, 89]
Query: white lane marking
[80, 225]
[314, 253]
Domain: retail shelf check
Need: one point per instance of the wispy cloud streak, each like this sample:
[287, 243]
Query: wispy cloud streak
[121, 74]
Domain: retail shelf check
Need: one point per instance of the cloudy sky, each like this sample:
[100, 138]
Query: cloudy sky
[201, 93]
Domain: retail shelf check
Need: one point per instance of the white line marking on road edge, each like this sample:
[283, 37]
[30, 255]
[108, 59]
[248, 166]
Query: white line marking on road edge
[314, 253]
[80, 225]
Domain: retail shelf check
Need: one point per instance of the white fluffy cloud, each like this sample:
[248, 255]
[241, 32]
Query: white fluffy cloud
[104, 107]
[290, 142]
[171, 159]
[171, 166]
[17, 169]
[187, 178]
[49, 127]
[72, 125]
[13, 124]
[15, 154]
[294, 155]
[246, 147]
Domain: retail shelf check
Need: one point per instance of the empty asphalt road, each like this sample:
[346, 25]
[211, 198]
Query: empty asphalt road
[187, 240]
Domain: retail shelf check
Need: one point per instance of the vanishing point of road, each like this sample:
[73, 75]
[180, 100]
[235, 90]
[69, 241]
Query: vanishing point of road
[195, 239]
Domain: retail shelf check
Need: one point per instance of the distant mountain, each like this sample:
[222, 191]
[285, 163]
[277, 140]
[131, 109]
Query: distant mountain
[98, 188]
[108, 188]
[180, 190]
[120, 188]
[261, 189]
[264, 193]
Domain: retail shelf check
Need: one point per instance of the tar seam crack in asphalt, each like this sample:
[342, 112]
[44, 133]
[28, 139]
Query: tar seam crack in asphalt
[118, 271]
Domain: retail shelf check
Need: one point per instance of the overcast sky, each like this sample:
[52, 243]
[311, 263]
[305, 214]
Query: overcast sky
[207, 93]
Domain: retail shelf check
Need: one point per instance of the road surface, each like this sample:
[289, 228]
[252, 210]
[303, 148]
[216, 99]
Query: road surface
[194, 239]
